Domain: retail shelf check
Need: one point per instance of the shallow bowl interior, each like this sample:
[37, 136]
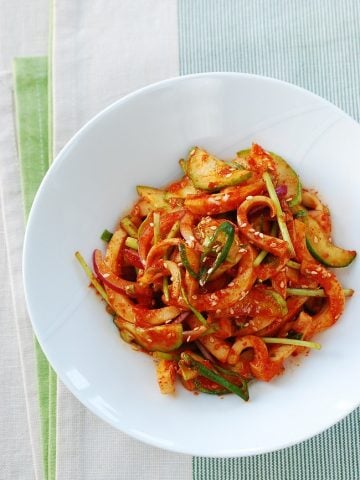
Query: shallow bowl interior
[139, 140]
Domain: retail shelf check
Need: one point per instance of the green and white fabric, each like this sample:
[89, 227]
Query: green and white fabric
[98, 52]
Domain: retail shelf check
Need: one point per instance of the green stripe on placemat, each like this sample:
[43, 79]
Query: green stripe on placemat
[32, 122]
[315, 45]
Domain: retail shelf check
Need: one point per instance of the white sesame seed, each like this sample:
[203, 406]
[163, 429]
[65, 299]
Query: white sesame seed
[226, 197]
[218, 311]
[169, 335]
[316, 240]
[251, 230]
[249, 197]
[196, 328]
[194, 297]
[282, 284]
[231, 284]
[228, 175]
[149, 340]
[188, 338]
[232, 311]
[151, 224]
[213, 227]
[273, 244]
[242, 250]
[211, 340]
[261, 235]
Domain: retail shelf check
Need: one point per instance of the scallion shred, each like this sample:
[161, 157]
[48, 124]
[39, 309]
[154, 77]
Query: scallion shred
[106, 236]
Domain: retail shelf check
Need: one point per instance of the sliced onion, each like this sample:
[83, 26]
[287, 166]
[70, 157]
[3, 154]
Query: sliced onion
[281, 191]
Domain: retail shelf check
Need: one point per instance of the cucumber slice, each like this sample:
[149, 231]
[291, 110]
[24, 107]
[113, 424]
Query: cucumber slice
[209, 173]
[155, 196]
[287, 176]
[161, 338]
[323, 250]
[156, 199]
[284, 175]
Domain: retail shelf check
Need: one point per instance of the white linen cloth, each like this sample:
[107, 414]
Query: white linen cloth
[23, 32]
[18, 413]
[103, 50]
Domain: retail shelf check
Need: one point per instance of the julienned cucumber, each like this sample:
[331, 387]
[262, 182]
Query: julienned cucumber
[284, 174]
[323, 250]
[209, 173]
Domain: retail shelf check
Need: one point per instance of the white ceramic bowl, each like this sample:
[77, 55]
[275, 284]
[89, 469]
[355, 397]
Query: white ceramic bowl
[138, 140]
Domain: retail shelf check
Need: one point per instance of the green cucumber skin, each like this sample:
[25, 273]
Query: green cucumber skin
[324, 251]
[333, 263]
[205, 176]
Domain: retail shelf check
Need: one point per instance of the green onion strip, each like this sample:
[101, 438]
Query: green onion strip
[316, 292]
[292, 341]
[279, 213]
[263, 253]
[215, 377]
[91, 276]
[106, 236]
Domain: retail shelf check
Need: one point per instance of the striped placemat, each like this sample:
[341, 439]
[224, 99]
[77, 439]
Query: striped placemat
[316, 45]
